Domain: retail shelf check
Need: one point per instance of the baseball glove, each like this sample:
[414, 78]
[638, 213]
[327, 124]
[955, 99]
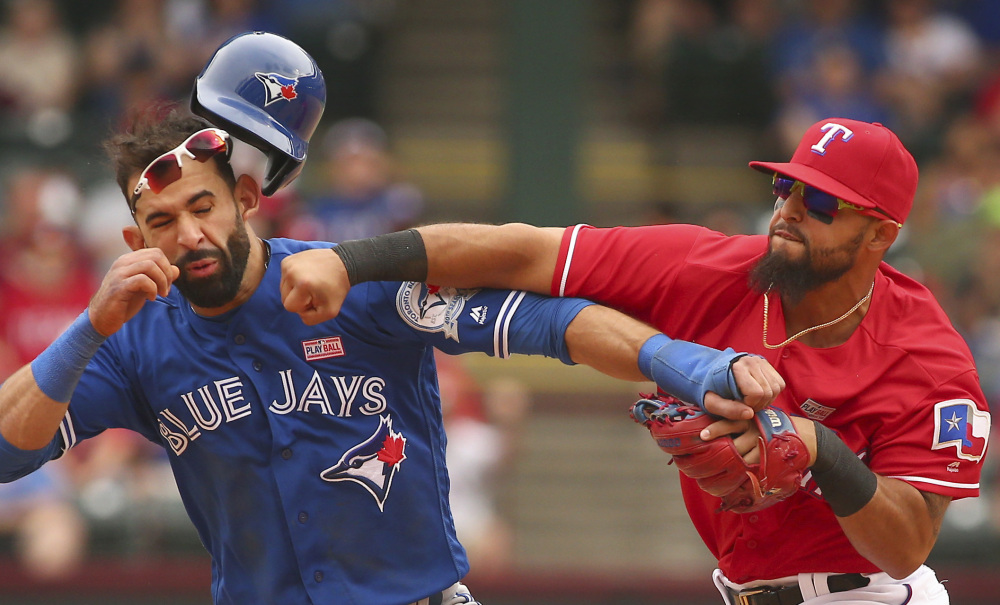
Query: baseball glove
[716, 465]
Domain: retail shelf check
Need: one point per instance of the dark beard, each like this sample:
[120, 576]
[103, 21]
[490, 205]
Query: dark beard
[795, 278]
[220, 289]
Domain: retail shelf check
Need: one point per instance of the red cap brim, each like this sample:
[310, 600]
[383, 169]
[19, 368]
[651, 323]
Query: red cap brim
[811, 176]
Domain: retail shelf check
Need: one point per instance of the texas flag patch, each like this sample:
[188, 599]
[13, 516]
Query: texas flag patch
[959, 423]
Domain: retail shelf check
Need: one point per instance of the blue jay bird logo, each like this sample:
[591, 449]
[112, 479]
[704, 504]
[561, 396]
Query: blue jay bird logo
[372, 463]
[277, 87]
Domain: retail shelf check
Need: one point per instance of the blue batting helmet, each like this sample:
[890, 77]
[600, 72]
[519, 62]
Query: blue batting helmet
[266, 91]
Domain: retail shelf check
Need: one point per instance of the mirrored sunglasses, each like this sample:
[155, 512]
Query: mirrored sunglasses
[166, 169]
[820, 205]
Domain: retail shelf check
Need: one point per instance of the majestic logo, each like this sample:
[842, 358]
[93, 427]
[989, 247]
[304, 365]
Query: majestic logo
[323, 348]
[478, 314]
[277, 87]
[432, 308]
[954, 466]
[958, 423]
[832, 130]
[372, 463]
[815, 411]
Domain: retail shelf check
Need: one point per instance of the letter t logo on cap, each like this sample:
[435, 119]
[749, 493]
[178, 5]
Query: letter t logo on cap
[832, 130]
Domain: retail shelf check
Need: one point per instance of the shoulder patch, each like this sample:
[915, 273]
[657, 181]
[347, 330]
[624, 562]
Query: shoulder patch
[432, 308]
[960, 424]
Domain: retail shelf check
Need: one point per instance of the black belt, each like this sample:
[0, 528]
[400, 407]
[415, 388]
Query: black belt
[792, 595]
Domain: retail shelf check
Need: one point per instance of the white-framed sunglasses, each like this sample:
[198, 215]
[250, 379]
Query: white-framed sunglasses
[164, 170]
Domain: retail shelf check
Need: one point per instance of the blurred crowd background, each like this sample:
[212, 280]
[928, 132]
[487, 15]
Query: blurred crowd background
[547, 111]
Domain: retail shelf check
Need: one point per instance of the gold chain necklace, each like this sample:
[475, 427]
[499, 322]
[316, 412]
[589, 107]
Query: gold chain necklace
[814, 328]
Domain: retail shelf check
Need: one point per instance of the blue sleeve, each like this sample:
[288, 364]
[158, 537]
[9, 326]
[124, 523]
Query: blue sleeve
[16, 463]
[539, 327]
[495, 322]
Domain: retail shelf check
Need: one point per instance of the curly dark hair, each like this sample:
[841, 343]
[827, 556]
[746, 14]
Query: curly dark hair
[153, 131]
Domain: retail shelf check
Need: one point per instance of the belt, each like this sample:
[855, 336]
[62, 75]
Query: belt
[792, 595]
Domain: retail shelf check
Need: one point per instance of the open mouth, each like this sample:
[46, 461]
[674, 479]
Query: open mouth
[201, 268]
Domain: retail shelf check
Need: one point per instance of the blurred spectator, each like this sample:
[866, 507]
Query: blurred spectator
[346, 38]
[45, 283]
[839, 87]
[49, 535]
[705, 62]
[45, 279]
[818, 26]
[482, 426]
[933, 62]
[134, 60]
[39, 60]
[363, 196]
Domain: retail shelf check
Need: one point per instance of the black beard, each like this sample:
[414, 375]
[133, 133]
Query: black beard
[795, 278]
[220, 289]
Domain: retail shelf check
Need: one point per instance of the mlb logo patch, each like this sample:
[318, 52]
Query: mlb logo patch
[960, 424]
[323, 348]
[815, 411]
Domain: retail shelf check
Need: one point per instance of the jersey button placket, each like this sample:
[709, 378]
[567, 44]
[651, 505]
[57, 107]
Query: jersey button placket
[303, 517]
[258, 366]
[286, 453]
[239, 339]
[318, 576]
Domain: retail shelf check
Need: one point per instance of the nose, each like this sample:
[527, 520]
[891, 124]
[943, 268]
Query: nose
[189, 233]
[792, 209]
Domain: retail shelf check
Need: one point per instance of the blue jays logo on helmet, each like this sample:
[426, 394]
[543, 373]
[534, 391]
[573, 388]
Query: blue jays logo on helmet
[373, 462]
[277, 87]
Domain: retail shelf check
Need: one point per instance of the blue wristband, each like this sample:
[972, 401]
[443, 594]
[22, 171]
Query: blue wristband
[688, 370]
[58, 368]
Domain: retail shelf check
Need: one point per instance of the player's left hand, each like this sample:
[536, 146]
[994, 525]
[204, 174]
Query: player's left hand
[314, 284]
[720, 455]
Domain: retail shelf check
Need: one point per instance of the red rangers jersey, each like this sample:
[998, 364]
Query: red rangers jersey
[902, 392]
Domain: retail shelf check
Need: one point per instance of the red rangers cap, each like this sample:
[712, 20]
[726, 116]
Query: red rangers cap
[861, 163]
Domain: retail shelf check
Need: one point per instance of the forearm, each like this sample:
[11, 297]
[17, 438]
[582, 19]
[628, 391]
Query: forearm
[28, 418]
[897, 529]
[512, 256]
[888, 521]
[607, 341]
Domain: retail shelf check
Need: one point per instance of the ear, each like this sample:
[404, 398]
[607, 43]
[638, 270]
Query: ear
[885, 233]
[247, 195]
[133, 237]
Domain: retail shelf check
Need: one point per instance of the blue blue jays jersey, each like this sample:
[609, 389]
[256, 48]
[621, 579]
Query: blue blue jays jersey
[311, 459]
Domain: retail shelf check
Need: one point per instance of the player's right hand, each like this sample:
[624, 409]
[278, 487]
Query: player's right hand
[133, 279]
[758, 381]
[314, 284]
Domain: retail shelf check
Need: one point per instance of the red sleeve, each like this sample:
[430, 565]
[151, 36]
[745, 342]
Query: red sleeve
[629, 268]
[939, 446]
[679, 278]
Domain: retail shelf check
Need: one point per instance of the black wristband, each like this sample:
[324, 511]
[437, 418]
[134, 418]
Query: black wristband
[847, 484]
[399, 256]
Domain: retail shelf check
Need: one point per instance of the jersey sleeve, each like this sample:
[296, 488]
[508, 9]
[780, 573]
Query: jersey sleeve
[940, 446]
[101, 400]
[495, 322]
[663, 272]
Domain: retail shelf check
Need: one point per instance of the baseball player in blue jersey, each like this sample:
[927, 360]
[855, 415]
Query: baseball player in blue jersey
[309, 457]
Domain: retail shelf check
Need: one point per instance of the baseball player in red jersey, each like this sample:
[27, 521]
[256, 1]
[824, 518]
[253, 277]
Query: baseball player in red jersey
[882, 389]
